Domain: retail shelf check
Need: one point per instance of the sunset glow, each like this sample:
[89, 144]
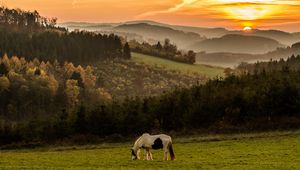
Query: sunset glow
[247, 29]
[232, 14]
[248, 12]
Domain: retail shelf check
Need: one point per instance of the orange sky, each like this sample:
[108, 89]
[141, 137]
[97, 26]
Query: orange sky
[232, 14]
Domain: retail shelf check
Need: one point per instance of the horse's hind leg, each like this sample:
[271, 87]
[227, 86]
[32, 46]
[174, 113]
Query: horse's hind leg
[165, 155]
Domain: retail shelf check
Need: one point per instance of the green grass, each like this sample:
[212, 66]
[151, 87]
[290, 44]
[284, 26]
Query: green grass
[263, 152]
[208, 71]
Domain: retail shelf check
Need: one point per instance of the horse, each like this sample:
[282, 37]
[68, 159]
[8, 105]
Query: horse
[147, 142]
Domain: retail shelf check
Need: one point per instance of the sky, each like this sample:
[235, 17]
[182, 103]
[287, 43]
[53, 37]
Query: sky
[231, 14]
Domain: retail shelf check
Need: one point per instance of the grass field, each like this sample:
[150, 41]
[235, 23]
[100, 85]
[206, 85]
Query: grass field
[184, 68]
[264, 152]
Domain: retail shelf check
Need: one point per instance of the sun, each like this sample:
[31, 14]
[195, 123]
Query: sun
[247, 29]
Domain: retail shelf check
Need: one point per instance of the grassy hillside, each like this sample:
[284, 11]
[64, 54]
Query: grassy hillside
[208, 71]
[146, 75]
[263, 152]
[129, 78]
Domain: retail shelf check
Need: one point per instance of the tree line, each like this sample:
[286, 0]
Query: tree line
[167, 51]
[30, 35]
[77, 47]
[291, 63]
[26, 21]
[36, 105]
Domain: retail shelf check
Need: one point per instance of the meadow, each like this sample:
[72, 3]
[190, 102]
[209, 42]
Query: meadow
[206, 70]
[263, 151]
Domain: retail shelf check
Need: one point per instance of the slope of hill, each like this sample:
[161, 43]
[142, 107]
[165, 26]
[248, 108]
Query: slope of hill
[186, 69]
[147, 76]
[154, 33]
[224, 59]
[237, 44]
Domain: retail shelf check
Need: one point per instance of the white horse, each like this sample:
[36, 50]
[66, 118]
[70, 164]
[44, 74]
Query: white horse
[147, 142]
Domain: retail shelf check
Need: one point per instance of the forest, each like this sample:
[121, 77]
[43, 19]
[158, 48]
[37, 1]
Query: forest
[291, 63]
[58, 102]
[26, 21]
[29, 35]
[45, 96]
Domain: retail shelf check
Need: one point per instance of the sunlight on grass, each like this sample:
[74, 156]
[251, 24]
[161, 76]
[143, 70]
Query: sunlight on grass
[208, 71]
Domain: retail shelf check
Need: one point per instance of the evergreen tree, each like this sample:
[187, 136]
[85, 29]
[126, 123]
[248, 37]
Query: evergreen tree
[159, 46]
[126, 51]
[3, 69]
[77, 76]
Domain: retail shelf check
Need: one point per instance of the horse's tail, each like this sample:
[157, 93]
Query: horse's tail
[172, 155]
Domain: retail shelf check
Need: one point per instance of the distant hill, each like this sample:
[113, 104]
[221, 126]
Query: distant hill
[87, 26]
[297, 35]
[147, 28]
[284, 38]
[207, 32]
[154, 33]
[226, 59]
[237, 44]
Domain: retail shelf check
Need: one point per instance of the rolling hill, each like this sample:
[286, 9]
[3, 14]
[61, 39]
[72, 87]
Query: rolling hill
[297, 34]
[154, 33]
[224, 59]
[189, 69]
[183, 36]
[235, 43]
[282, 37]
[145, 75]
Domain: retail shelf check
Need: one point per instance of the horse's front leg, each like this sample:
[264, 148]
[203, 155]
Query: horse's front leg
[145, 154]
[150, 155]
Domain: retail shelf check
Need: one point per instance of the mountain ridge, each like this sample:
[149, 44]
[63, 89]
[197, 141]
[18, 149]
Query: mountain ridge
[236, 43]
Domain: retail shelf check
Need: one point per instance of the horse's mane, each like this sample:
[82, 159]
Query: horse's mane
[144, 134]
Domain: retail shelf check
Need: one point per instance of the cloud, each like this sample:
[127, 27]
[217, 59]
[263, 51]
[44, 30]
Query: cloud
[74, 3]
[172, 9]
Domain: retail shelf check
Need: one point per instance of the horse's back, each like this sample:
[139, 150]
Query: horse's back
[149, 139]
[163, 137]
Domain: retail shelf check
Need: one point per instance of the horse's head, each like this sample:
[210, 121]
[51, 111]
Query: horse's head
[133, 154]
